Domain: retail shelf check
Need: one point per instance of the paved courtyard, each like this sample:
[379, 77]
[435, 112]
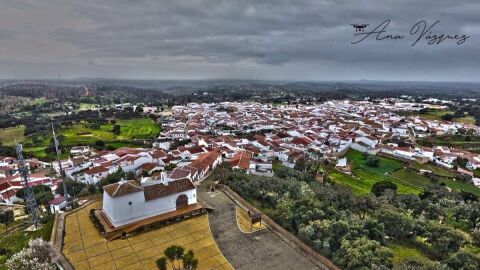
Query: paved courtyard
[86, 249]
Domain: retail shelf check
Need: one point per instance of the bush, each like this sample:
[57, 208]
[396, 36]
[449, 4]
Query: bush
[373, 161]
[96, 221]
[379, 187]
[363, 254]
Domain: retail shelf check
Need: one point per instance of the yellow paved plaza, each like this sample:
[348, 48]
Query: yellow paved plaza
[244, 222]
[85, 248]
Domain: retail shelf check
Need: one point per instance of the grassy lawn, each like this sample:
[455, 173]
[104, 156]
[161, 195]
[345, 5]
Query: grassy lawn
[82, 134]
[458, 141]
[386, 165]
[8, 135]
[466, 120]
[433, 168]
[412, 178]
[18, 240]
[447, 175]
[364, 177]
[37, 101]
[408, 182]
[435, 115]
[404, 251]
[458, 186]
[358, 186]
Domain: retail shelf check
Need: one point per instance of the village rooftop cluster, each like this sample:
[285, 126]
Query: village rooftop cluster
[195, 138]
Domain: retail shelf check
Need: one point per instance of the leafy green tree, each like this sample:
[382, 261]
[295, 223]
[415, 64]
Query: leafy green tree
[177, 254]
[379, 187]
[372, 161]
[464, 260]
[302, 164]
[469, 212]
[43, 194]
[71, 185]
[111, 178]
[365, 205]
[99, 144]
[476, 238]
[376, 230]
[363, 253]
[447, 117]
[468, 196]
[397, 224]
[7, 217]
[170, 167]
[444, 240]
[189, 261]
[162, 263]
[460, 162]
[116, 129]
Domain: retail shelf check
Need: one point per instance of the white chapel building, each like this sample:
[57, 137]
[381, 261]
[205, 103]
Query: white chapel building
[127, 201]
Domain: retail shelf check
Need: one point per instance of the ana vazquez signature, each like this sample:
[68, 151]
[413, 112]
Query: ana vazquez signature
[419, 31]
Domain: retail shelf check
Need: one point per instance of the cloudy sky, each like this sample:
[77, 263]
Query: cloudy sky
[243, 39]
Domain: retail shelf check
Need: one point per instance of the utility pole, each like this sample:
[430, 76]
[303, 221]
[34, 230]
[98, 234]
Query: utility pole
[29, 196]
[62, 173]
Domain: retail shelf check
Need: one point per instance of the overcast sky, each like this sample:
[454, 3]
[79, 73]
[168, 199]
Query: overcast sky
[243, 39]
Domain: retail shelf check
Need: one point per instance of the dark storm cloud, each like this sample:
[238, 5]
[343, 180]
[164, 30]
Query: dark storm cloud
[271, 39]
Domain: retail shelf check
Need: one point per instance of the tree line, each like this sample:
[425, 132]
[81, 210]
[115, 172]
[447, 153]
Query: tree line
[355, 231]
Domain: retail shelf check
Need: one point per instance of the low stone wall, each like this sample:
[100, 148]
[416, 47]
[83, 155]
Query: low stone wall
[285, 235]
[56, 240]
[58, 232]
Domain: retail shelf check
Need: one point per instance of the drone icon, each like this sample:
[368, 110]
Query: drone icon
[359, 27]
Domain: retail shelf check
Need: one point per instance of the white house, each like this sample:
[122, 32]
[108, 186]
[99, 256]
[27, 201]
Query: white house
[57, 204]
[126, 202]
[80, 150]
[95, 174]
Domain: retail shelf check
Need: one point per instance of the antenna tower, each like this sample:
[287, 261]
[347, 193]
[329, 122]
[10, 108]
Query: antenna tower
[29, 196]
[62, 172]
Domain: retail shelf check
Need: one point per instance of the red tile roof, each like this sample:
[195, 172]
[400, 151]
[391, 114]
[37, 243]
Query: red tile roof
[122, 188]
[160, 190]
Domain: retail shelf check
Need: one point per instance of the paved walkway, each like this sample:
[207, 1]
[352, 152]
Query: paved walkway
[258, 250]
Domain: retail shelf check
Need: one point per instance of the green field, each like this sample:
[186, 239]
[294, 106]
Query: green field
[433, 168]
[470, 143]
[37, 101]
[8, 135]
[437, 115]
[363, 177]
[408, 181]
[83, 134]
